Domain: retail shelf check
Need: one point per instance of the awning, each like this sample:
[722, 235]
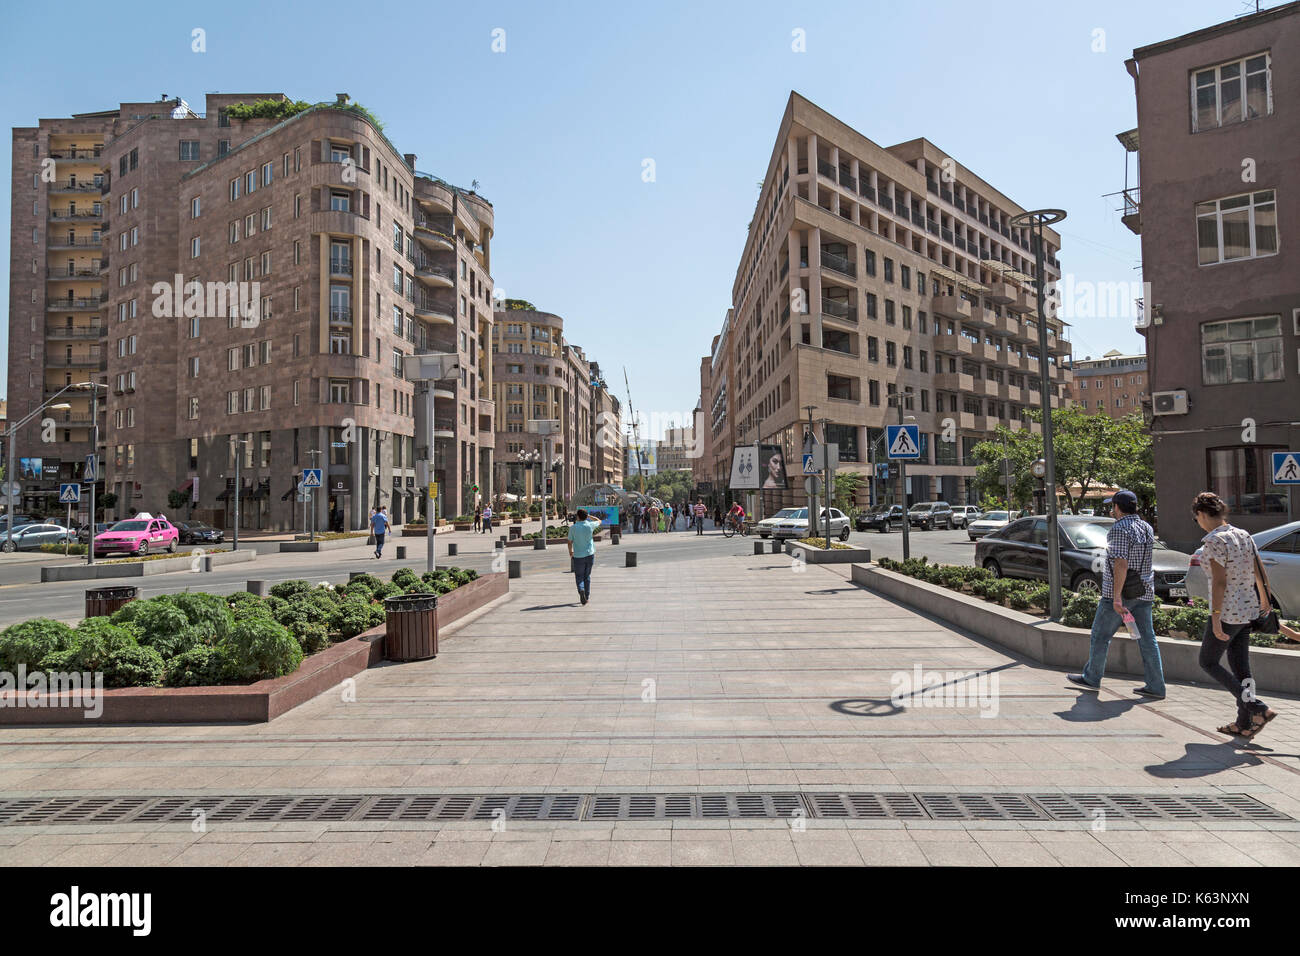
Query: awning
[226, 494]
[1004, 270]
[958, 280]
[186, 486]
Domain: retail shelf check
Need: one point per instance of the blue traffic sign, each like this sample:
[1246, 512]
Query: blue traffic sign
[90, 472]
[311, 477]
[69, 493]
[808, 467]
[1286, 467]
[904, 441]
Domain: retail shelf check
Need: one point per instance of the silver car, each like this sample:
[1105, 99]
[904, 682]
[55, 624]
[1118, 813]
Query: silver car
[1279, 551]
[962, 515]
[795, 524]
[30, 537]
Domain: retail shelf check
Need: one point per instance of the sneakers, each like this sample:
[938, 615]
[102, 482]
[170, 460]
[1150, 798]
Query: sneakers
[1078, 679]
[1145, 691]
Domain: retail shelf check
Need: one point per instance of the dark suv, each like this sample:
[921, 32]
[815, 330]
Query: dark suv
[930, 515]
[881, 518]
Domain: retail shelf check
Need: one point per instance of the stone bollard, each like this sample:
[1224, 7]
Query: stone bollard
[629, 559]
[353, 575]
[758, 547]
[260, 588]
[499, 546]
[539, 544]
[614, 535]
[401, 552]
[514, 568]
[502, 539]
[452, 549]
[776, 546]
[207, 562]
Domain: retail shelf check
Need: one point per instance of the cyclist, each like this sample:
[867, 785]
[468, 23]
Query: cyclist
[736, 516]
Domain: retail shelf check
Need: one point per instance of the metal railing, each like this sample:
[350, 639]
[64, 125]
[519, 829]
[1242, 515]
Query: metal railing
[76, 153]
[76, 332]
[839, 310]
[82, 302]
[73, 241]
[839, 264]
[83, 272]
[340, 316]
[67, 212]
[340, 267]
[825, 168]
[68, 185]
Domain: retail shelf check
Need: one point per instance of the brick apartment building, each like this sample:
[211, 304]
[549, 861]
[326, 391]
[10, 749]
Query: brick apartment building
[871, 272]
[1115, 384]
[1218, 143]
[311, 255]
[539, 375]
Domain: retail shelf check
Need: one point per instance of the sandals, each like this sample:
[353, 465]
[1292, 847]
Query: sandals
[1232, 730]
[1258, 721]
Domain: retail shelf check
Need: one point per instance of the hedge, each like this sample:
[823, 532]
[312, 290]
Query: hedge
[198, 639]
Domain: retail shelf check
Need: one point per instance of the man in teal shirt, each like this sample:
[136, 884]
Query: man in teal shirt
[582, 551]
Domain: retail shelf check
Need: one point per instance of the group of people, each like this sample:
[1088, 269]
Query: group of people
[483, 519]
[1239, 604]
[649, 517]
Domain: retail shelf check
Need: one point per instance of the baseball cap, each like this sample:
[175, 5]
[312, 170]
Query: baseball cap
[1126, 500]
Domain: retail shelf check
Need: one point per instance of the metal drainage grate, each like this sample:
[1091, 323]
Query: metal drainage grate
[572, 807]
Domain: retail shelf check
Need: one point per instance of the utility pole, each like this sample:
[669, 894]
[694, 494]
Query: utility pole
[828, 478]
[813, 523]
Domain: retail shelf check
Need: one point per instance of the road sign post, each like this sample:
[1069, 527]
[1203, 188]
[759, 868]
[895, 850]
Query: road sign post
[903, 442]
[1286, 467]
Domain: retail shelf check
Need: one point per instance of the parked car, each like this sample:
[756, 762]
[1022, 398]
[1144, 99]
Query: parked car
[138, 535]
[30, 537]
[987, 523]
[1086, 511]
[882, 518]
[83, 531]
[196, 532]
[793, 523]
[963, 515]
[19, 521]
[769, 524]
[930, 515]
[1019, 550]
[1279, 552]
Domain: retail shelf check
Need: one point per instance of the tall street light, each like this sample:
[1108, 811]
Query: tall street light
[9, 470]
[429, 367]
[1034, 221]
[547, 428]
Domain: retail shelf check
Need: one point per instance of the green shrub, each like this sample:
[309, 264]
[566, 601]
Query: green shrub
[1018, 598]
[359, 616]
[159, 622]
[200, 666]
[241, 598]
[316, 605]
[289, 589]
[1162, 619]
[405, 577]
[358, 589]
[387, 590]
[312, 636]
[1263, 640]
[1080, 610]
[1039, 595]
[258, 648]
[1001, 589]
[30, 642]
[95, 642]
[134, 666]
[1192, 620]
[419, 587]
[209, 609]
[250, 610]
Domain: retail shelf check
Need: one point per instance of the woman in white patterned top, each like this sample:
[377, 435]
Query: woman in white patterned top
[1238, 595]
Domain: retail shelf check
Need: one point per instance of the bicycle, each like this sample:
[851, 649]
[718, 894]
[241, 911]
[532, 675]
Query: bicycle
[732, 525]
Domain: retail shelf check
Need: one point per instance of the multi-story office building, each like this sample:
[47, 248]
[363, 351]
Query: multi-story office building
[541, 376]
[1218, 143]
[1114, 385]
[258, 280]
[677, 450]
[871, 273]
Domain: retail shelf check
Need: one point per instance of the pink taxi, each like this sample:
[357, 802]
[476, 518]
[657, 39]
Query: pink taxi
[138, 535]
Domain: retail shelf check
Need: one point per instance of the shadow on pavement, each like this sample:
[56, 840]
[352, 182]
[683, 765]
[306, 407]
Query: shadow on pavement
[550, 607]
[1088, 707]
[1203, 759]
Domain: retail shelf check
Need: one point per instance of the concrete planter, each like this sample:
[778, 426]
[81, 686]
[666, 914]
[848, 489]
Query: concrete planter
[1056, 645]
[258, 702]
[138, 569]
[463, 525]
[332, 545]
[813, 555]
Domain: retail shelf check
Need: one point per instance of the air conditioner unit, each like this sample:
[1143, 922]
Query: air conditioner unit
[1169, 403]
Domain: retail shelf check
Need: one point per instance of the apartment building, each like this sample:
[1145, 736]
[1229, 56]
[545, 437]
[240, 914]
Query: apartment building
[874, 276]
[1115, 384]
[677, 450]
[1218, 150]
[538, 375]
[260, 279]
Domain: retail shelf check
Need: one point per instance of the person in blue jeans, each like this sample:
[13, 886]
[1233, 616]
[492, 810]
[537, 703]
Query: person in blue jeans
[1127, 584]
[582, 551]
[379, 524]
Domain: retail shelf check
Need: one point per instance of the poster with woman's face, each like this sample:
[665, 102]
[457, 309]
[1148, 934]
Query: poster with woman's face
[772, 462]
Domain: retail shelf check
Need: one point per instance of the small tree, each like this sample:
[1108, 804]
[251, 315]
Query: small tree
[846, 490]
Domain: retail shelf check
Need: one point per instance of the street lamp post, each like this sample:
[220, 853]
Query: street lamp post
[1035, 220]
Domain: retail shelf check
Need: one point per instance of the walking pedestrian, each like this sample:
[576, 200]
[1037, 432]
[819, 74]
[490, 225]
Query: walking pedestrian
[487, 519]
[717, 516]
[478, 519]
[700, 512]
[668, 516]
[1238, 597]
[1127, 594]
[379, 527]
[582, 551]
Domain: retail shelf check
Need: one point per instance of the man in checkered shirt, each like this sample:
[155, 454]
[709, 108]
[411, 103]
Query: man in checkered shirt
[1128, 555]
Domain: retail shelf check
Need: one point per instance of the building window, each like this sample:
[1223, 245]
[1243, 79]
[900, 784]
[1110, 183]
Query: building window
[232, 403]
[340, 201]
[1242, 475]
[195, 208]
[1237, 227]
[1242, 350]
[189, 149]
[340, 390]
[267, 170]
[194, 408]
[194, 248]
[1231, 92]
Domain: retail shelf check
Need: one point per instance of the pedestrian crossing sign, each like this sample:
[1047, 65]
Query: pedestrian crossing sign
[809, 467]
[69, 493]
[1286, 467]
[311, 477]
[904, 441]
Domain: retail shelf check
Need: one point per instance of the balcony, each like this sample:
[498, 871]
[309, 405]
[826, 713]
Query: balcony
[340, 267]
[954, 382]
[1002, 292]
[1006, 324]
[984, 352]
[848, 181]
[1014, 394]
[444, 428]
[951, 306]
[1132, 209]
[77, 272]
[68, 214]
[842, 311]
[74, 304]
[427, 308]
[1026, 301]
[73, 186]
[840, 264]
[825, 169]
[72, 242]
[432, 273]
[72, 331]
[74, 361]
[76, 153]
[953, 343]
[980, 317]
[341, 315]
[985, 387]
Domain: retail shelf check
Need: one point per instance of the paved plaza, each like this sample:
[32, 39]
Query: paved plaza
[706, 669]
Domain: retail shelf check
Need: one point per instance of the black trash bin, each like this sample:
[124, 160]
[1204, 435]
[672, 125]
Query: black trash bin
[411, 628]
[101, 602]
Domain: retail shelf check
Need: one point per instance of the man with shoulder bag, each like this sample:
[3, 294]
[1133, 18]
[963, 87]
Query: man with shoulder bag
[1127, 595]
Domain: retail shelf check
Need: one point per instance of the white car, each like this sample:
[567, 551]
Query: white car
[987, 523]
[793, 523]
[963, 515]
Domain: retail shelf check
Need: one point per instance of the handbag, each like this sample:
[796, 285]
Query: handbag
[1133, 586]
[1264, 623]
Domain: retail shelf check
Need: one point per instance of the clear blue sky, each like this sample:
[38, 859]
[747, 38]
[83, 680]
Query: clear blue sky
[555, 128]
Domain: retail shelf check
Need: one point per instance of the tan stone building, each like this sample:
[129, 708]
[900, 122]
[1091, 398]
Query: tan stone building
[258, 282]
[539, 375]
[871, 272]
[1115, 384]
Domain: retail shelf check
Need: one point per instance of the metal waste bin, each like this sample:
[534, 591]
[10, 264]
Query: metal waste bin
[411, 628]
[101, 602]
